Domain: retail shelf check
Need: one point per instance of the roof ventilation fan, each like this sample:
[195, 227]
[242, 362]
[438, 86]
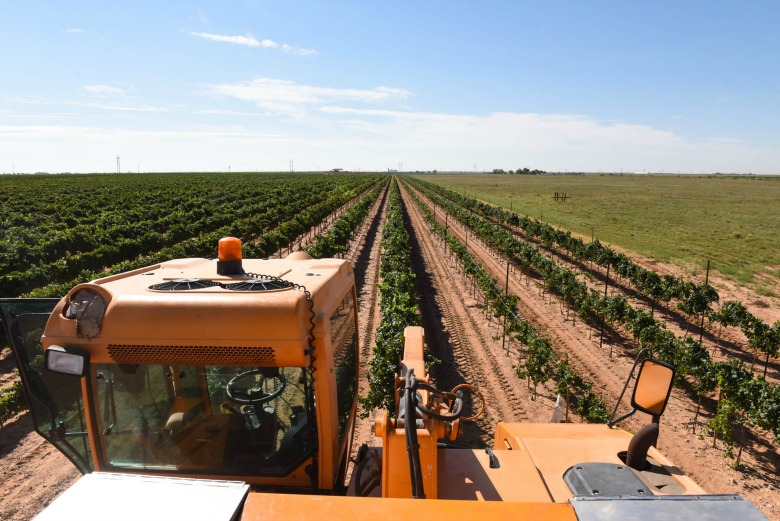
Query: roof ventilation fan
[183, 285]
[259, 285]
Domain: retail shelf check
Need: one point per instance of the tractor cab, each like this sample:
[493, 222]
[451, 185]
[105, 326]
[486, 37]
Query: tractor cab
[198, 368]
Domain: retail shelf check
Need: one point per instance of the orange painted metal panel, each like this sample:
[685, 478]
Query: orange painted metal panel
[466, 474]
[278, 507]
[219, 322]
[555, 448]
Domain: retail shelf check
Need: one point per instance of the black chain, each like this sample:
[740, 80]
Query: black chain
[307, 295]
[308, 388]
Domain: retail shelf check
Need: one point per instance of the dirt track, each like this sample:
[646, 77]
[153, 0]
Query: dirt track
[458, 334]
[365, 255]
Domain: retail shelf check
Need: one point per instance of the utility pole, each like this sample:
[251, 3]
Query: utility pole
[118, 170]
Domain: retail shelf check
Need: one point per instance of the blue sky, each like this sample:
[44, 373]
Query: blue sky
[684, 86]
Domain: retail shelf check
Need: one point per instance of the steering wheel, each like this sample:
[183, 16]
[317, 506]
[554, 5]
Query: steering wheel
[255, 395]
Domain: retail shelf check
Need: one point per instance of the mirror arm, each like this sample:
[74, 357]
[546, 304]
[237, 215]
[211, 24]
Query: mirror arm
[612, 422]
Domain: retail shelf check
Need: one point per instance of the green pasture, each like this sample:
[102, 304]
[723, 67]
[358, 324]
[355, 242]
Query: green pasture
[685, 220]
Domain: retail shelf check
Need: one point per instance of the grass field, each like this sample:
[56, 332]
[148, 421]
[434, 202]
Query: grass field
[685, 220]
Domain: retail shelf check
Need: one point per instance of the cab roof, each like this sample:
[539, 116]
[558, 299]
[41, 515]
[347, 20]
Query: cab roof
[183, 311]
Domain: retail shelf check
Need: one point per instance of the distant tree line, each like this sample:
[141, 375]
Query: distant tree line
[521, 171]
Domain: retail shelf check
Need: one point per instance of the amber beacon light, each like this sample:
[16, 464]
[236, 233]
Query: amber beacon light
[229, 262]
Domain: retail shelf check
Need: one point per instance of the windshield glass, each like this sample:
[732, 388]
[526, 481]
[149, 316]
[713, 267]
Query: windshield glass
[203, 419]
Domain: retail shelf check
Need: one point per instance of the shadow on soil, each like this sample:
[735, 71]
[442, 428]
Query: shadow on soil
[14, 431]
[445, 374]
[363, 260]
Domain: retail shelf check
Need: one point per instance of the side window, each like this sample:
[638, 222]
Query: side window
[56, 402]
[343, 336]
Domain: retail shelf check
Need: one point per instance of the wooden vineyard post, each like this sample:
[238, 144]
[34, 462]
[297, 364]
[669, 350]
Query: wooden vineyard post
[506, 309]
[706, 283]
[447, 228]
[715, 431]
[601, 333]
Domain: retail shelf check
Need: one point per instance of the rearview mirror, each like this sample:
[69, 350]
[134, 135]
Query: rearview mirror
[652, 389]
[653, 386]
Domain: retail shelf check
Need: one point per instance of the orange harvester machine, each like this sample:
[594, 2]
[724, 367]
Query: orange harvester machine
[227, 389]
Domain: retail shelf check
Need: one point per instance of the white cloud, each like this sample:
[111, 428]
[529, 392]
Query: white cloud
[374, 140]
[251, 41]
[361, 129]
[107, 91]
[27, 100]
[46, 116]
[74, 30]
[301, 51]
[290, 98]
[94, 149]
[230, 112]
[127, 108]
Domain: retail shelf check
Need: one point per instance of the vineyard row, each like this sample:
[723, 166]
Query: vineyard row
[693, 299]
[540, 362]
[293, 215]
[745, 400]
[397, 304]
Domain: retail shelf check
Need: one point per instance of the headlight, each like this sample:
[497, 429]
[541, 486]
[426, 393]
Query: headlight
[66, 360]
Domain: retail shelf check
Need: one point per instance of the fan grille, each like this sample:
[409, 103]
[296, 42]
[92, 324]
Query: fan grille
[259, 285]
[183, 285]
[244, 285]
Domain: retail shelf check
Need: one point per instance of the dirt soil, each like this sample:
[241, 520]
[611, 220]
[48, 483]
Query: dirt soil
[33, 471]
[459, 333]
